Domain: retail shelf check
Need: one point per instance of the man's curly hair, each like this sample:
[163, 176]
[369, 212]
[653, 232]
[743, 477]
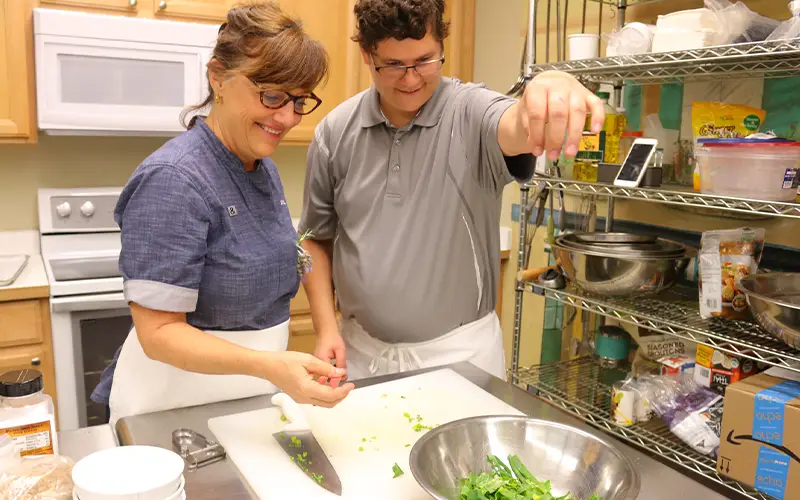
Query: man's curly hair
[379, 20]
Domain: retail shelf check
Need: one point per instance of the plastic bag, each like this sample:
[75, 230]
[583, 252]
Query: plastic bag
[788, 29]
[739, 24]
[691, 412]
[724, 257]
[47, 477]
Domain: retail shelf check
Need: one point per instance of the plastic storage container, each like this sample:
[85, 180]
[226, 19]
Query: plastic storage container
[27, 414]
[747, 168]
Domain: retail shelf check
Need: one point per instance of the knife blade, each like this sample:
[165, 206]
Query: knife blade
[303, 449]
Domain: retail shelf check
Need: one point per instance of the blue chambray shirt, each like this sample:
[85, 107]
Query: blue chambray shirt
[203, 236]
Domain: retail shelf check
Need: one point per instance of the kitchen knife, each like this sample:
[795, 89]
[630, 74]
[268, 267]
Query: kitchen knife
[303, 449]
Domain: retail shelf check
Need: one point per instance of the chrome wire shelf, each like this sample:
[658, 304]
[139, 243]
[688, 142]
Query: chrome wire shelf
[775, 59]
[583, 388]
[676, 312]
[675, 197]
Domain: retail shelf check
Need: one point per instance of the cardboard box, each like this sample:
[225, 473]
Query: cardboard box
[717, 370]
[760, 439]
[675, 365]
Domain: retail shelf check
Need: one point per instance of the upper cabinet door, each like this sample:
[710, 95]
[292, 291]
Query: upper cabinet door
[129, 7]
[17, 94]
[330, 23]
[199, 10]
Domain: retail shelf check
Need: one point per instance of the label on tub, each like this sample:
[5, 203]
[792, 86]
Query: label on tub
[789, 178]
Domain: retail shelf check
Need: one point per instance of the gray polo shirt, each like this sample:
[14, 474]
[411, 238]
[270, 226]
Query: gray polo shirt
[414, 212]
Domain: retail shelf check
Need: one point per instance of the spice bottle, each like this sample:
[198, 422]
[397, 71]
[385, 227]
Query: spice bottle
[27, 414]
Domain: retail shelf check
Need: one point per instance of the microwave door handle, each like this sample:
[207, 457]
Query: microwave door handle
[89, 302]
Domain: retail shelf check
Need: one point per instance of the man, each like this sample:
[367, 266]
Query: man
[403, 192]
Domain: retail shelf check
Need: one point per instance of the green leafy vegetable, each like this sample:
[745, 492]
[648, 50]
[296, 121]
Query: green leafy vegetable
[318, 477]
[509, 482]
[397, 471]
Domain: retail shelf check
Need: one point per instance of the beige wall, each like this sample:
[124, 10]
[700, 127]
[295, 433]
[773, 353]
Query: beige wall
[59, 161]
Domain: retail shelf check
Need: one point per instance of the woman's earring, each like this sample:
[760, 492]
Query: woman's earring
[218, 98]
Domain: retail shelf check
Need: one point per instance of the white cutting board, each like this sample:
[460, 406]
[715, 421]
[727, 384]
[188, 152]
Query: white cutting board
[371, 418]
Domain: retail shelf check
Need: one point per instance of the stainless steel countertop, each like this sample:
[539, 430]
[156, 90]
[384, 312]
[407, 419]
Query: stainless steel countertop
[223, 480]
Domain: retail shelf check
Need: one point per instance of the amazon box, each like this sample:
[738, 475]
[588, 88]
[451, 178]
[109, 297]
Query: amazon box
[760, 440]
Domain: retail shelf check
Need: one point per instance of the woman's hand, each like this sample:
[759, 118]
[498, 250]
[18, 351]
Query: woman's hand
[331, 346]
[297, 374]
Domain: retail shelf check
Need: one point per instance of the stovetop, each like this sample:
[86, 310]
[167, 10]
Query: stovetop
[80, 240]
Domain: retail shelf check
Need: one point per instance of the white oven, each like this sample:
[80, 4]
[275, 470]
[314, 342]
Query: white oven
[89, 316]
[114, 75]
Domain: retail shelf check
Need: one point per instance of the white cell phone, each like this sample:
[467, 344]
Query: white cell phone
[635, 164]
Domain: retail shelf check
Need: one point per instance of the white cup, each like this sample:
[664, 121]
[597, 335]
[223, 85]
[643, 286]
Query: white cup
[583, 46]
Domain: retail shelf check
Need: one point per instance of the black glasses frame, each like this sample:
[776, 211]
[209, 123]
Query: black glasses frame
[406, 68]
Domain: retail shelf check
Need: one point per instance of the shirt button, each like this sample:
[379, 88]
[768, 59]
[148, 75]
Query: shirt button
[396, 168]
[397, 141]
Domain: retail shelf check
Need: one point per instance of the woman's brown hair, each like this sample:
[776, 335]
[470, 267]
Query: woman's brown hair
[261, 42]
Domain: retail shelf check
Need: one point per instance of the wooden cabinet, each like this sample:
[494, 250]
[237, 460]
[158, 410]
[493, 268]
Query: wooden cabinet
[332, 23]
[25, 339]
[17, 91]
[301, 329]
[192, 10]
[123, 7]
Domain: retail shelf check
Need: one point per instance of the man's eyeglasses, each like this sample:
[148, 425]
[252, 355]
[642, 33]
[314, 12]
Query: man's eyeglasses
[276, 99]
[398, 71]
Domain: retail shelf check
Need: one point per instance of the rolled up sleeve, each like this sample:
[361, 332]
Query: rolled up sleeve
[164, 223]
[319, 215]
[483, 109]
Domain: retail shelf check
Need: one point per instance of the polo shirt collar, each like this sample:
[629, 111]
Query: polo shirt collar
[428, 116]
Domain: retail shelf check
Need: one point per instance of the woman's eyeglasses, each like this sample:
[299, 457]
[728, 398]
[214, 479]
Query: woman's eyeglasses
[276, 99]
[398, 71]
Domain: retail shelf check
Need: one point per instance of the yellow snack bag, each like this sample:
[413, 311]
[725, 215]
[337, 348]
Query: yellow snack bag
[718, 119]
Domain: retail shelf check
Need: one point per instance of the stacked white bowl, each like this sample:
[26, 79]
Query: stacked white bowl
[130, 473]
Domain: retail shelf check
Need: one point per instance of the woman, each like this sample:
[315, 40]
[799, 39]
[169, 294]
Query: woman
[209, 254]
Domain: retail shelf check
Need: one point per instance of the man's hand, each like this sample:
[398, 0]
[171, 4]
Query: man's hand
[555, 104]
[330, 346]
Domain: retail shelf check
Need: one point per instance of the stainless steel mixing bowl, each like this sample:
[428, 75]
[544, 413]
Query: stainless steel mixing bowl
[605, 272]
[774, 300]
[572, 460]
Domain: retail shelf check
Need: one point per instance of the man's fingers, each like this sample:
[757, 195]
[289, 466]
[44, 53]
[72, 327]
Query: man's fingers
[595, 105]
[557, 119]
[341, 356]
[536, 108]
[577, 118]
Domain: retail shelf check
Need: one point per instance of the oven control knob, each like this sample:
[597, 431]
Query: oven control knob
[63, 210]
[87, 209]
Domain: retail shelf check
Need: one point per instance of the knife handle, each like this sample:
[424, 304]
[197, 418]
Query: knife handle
[292, 411]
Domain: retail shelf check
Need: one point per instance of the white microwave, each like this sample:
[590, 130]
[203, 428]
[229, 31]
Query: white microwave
[112, 75]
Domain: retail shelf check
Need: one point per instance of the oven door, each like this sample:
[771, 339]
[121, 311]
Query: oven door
[87, 331]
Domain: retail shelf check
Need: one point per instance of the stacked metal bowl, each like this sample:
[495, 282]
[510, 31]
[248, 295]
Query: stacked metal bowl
[621, 264]
[774, 300]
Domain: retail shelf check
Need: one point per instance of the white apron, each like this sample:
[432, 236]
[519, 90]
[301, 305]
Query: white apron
[479, 342]
[142, 385]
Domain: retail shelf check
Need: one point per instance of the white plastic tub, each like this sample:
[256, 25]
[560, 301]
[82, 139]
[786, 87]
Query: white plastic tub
[749, 169]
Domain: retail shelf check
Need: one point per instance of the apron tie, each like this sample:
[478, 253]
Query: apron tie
[407, 359]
